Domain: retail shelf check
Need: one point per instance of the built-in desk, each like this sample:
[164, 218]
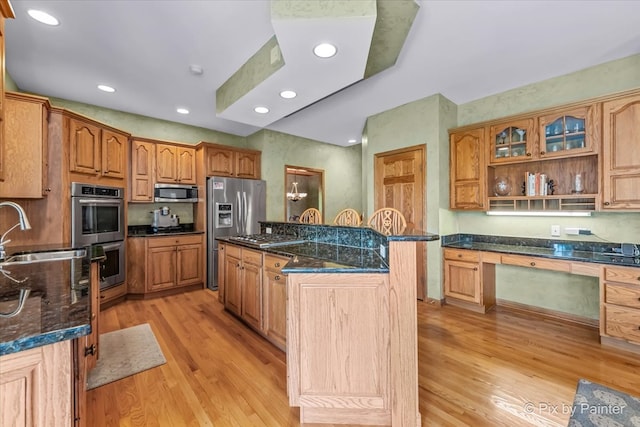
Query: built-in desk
[469, 276]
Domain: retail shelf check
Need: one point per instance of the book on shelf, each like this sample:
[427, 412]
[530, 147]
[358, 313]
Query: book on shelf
[536, 184]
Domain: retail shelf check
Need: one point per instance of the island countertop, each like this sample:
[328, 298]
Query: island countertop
[58, 307]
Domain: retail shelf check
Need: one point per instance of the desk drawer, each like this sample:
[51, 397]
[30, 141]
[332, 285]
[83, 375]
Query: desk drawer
[462, 255]
[623, 323]
[534, 262]
[621, 274]
[628, 296]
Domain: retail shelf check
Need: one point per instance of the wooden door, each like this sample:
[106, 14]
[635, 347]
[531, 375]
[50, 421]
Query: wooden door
[462, 281]
[220, 162]
[232, 284]
[252, 294]
[161, 268]
[85, 153]
[275, 317]
[189, 266]
[399, 177]
[114, 146]
[621, 154]
[142, 170]
[247, 165]
[186, 165]
[467, 170]
[166, 164]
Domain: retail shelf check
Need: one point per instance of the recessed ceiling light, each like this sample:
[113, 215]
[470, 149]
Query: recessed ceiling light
[43, 17]
[288, 94]
[196, 70]
[352, 141]
[325, 50]
[261, 110]
[182, 111]
[106, 88]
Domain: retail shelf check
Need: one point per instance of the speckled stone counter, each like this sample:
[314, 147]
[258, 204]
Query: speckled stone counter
[594, 252]
[58, 307]
[149, 231]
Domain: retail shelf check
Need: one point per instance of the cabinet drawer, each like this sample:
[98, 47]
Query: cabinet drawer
[623, 275]
[158, 242]
[252, 257]
[233, 250]
[462, 255]
[622, 295]
[622, 322]
[534, 262]
[274, 263]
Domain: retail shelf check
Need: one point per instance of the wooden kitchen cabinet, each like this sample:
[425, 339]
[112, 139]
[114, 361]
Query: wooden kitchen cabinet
[164, 263]
[96, 150]
[5, 12]
[275, 300]
[511, 141]
[26, 146]
[232, 162]
[175, 164]
[467, 170]
[35, 386]
[569, 132]
[143, 159]
[243, 284]
[465, 277]
[620, 304]
[620, 154]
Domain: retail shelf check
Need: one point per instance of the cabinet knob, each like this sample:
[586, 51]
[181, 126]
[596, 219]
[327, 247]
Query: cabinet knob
[542, 153]
[93, 316]
[277, 264]
[48, 189]
[101, 296]
[638, 279]
[238, 265]
[532, 264]
[92, 349]
[475, 268]
[459, 255]
[277, 277]
[606, 203]
[528, 154]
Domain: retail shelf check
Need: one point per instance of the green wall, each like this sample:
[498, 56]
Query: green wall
[9, 84]
[342, 167]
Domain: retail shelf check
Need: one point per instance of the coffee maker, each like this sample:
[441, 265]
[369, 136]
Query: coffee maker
[162, 218]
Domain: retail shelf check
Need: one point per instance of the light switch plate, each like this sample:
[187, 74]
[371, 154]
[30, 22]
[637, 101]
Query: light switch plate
[555, 231]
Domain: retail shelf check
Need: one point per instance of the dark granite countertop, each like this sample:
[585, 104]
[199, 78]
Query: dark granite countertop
[58, 307]
[149, 231]
[594, 252]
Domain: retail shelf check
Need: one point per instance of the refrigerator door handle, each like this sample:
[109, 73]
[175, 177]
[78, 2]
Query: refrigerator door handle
[244, 210]
[238, 213]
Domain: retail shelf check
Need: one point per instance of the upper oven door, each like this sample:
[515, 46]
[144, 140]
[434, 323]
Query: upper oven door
[96, 220]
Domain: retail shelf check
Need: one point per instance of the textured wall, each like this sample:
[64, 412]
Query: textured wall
[341, 165]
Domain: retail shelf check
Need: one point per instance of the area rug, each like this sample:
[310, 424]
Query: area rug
[123, 353]
[600, 406]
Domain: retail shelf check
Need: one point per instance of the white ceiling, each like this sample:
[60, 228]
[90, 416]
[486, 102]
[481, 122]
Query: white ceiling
[464, 50]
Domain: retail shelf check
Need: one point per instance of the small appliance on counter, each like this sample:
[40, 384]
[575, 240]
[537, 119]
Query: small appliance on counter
[163, 219]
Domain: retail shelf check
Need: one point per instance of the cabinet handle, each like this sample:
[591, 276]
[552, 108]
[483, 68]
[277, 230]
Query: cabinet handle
[532, 264]
[606, 203]
[277, 264]
[90, 350]
[638, 279]
[459, 255]
[48, 189]
[102, 296]
[542, 153]
[475, 268]
[528, 154]
[237, 265]
[277, 277]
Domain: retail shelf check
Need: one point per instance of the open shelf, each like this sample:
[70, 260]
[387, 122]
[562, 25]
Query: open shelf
[566, 202]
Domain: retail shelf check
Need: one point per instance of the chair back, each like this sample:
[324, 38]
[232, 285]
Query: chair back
[388, 221]
[347, 217]
[311, 216]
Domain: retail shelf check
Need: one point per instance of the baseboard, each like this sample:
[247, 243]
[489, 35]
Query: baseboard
[547, 313]
[619, 344]
[433, 301]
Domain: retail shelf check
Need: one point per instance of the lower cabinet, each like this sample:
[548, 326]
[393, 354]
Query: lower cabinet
[464, 279]
[164, 263]
[620, 304]
[35, 386]
[255, 290]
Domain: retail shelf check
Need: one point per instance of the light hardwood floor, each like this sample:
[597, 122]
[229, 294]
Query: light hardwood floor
[500, 369]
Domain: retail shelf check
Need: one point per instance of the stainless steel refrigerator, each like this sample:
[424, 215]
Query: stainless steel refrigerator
[234, 207]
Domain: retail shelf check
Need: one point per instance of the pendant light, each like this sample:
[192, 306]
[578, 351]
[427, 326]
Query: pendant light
[294, 195]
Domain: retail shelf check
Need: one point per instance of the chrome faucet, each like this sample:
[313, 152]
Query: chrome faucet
[23, 222]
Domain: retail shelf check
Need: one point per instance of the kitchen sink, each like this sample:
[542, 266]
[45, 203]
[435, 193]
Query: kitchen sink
[47, 256]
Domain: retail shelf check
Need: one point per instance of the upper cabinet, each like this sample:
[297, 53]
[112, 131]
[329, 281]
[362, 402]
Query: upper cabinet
[570, 132]
[5, 12]
[467, 169]
[175, 164]
[143, 159]
[512, 141]
[621, 154]
[26, 146]
[96, 150]
[228, 161]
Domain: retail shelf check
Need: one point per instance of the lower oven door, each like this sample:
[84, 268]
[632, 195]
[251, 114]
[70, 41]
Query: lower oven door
[112, 268]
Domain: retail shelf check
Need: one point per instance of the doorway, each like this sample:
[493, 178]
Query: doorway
[304, 189]
[399, 182]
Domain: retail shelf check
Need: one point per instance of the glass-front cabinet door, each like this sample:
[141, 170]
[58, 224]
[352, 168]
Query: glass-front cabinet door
[567, 133]
[511, 141]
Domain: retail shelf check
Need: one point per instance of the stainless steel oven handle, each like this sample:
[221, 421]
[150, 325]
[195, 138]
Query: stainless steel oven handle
[110, 246]
[99, 202]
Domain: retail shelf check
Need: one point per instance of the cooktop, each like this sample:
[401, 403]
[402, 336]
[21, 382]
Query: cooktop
[267, 240]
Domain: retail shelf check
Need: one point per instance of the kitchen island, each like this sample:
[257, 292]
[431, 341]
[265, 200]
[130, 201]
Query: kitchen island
[351, 324]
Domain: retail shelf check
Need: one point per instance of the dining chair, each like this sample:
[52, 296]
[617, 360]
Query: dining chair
[387, 221]
[311, 216]
[347, 217]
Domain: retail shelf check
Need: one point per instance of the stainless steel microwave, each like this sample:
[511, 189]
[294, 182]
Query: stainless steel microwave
[175, 193]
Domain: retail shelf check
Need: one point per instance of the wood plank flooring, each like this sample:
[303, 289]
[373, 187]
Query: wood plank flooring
[500, 369]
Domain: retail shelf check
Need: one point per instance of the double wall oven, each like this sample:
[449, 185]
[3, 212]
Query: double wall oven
[97, 215]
